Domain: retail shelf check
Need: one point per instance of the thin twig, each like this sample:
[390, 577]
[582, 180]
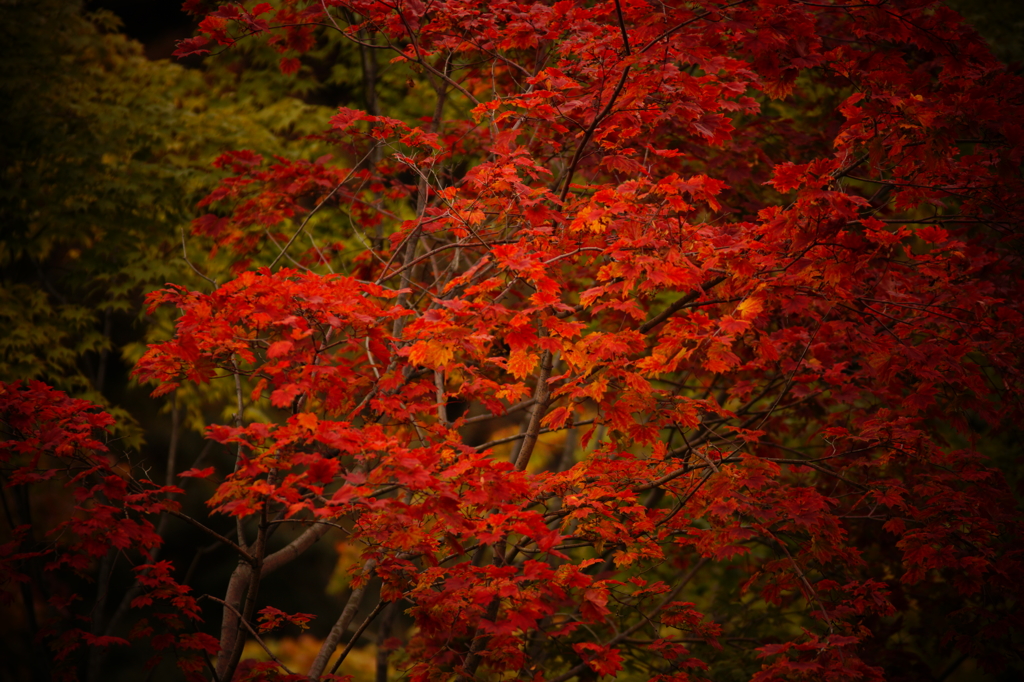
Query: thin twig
[248, 558]
[347, 614]
[323, 201]
[647, 618]
[515, 408]
[679, 305]
[654, 41]
[184, 255]
[622, 27]
[590, 132]
[359, 631]
[249, 627]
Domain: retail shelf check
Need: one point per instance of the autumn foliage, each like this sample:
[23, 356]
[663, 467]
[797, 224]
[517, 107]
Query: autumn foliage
[663, 343]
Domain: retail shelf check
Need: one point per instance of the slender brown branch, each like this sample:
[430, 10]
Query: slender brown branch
[474, 658]
[245, 556]
[644, 620]
[439, 249]
[811, 464]
[622, 27]
[238, 585]
[590, 132]
[383, 634]
[184, 255]
[657, 39]
[249, 606]
[515, 408]
[340, 626]
[249, 627]
[412, 240]
[359, 631]
[384, 271]
[678, 305]
[316, 208]
[542, 396]
[293, 549]
[524, 434]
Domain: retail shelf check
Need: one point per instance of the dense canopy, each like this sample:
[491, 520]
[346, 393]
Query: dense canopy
[655, 340]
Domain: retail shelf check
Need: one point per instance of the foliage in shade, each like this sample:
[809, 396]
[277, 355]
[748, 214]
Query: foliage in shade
[104, 156]
[742, 277]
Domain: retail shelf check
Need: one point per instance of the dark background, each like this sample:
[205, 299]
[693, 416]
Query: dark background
[157, 24]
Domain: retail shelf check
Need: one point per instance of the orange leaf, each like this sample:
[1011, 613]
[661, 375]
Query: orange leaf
[521, 363]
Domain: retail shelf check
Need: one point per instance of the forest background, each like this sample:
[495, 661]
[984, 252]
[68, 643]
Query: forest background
[110, 145]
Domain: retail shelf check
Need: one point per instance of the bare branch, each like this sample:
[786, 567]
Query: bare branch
[347, 614]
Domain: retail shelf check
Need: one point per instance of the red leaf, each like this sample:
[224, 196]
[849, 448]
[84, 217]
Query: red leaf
[290, 65]
[197, 473]
[279, 349]
[191, 46]
[284, 396]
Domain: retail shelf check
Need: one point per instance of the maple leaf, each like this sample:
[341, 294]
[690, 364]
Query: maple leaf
[289, 65]
[191, 46]
[197, 473]
[521, 363]
[284, 396]
[602, 660]
[770, 320]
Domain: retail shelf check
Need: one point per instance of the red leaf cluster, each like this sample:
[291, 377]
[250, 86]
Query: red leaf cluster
[743, 277]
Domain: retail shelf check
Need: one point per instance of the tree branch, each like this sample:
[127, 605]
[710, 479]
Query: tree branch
[679, 305]
[249, 627]
[359, 631]
[347, 614]
[644, 620]
[542, 396]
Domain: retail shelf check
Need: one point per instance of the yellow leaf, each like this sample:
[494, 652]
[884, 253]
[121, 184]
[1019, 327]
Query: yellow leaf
[749, 307]
[433, 354]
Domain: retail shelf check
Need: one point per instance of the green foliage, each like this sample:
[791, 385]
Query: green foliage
[104, 156]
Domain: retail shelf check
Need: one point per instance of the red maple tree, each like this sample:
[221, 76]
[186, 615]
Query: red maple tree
[743, 278]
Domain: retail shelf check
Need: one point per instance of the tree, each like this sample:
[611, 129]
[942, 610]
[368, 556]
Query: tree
[104, 158]
[662, 343]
